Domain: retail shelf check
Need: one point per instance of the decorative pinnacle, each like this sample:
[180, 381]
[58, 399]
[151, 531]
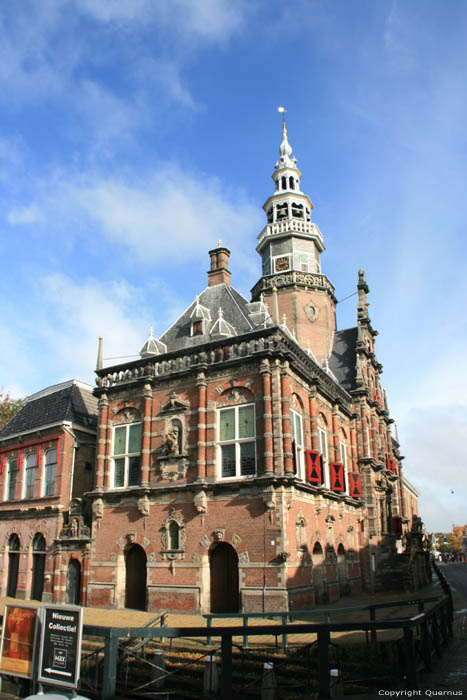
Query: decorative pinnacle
[283, 111]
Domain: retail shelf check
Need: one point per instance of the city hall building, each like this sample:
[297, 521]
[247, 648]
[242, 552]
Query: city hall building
[245, 462]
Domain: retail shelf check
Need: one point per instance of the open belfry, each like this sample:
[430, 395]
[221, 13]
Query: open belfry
[244, 463]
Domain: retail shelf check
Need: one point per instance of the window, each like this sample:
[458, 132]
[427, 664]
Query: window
[49, 467]
[11, 476]
[174, 540]
[31, 466]
[237, 445]
[343, 455]
[297, 444]
[323, 448]
[197, 328]
[127, 455]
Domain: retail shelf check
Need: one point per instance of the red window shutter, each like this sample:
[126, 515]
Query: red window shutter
[2, 464]
[337, 476]
[20, 458]
[314, 468]
[391, 464]
[355, 484]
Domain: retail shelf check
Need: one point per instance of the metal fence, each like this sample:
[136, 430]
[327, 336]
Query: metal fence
[127, 665]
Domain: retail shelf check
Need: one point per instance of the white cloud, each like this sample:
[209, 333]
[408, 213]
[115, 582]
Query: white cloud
[30, 214]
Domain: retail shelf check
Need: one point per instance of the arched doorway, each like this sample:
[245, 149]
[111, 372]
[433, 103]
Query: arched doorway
[319, 573]
[135, 578]
[13, 565]
[344, 587]
[73, 582]
[223, 563]
[38, 566]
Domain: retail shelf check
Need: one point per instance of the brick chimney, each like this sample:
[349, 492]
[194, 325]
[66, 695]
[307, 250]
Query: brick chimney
[219, 272]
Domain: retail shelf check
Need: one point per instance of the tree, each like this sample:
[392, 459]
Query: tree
[8, 407]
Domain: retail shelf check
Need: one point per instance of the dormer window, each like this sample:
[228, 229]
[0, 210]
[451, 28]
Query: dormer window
[200, 317]
[197, 328]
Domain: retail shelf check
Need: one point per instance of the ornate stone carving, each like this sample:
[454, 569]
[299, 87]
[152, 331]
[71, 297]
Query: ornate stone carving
[196, 558]
[243, 558]
[121, 542]
[145, 542]
[113, 556]
[144, 506]
[219, 534]
[201, 502]
[131, 537]
[176, 520]
[236, 539]
[98, 509]
[269, 497]
[175, 403]
[151, 557]
[205, 541]
[173, 468]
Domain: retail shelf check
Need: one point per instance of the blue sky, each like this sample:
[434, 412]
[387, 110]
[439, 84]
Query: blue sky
[134, 134]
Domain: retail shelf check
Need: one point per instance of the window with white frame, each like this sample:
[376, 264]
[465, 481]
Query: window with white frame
[323, 448]
[127, 455]
[30, 474]
[297, 445]
[50, 466]
[11, 476]
[343, 456]
[237, 443]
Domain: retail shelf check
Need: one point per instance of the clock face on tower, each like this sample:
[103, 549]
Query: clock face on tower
[282, 264]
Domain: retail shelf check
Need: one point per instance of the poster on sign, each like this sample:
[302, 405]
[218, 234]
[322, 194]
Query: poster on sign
[18, 640]
[60, 645]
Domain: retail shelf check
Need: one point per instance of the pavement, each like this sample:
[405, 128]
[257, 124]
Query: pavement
[448, 678]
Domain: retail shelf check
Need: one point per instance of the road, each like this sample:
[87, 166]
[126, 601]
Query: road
[456, 575]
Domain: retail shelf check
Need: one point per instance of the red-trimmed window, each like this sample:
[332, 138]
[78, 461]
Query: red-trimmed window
[314, 468]
[355, 484]
[197, 328]
[391, 464]
[337, 476]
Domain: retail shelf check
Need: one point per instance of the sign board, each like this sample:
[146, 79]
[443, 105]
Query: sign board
[60, 647]
[18, 640]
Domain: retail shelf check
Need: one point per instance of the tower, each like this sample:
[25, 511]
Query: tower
[290, 246]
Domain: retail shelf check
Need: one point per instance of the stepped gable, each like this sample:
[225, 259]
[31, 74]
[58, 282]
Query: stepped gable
[69, 401]
[342, 361]
[234, 310]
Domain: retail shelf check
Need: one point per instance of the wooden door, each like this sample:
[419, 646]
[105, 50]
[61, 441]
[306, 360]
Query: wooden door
[135, 580]
[73, 582]
[224, 579]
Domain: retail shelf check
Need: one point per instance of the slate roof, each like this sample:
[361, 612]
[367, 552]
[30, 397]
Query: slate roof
[235, 312]
[70, 401]
[342, 361]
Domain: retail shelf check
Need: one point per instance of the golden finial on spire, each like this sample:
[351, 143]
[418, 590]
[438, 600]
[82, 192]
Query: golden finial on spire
[283, 111]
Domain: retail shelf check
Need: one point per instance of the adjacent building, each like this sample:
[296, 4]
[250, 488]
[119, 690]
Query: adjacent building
[47, 456]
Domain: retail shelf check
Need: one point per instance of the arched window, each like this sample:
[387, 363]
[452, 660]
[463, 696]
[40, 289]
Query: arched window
[174, 541]
[11, 476]
[49, 472]
[284, 182]
[30, 476]
[291, 183]
[13, 565]
[38, 566]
